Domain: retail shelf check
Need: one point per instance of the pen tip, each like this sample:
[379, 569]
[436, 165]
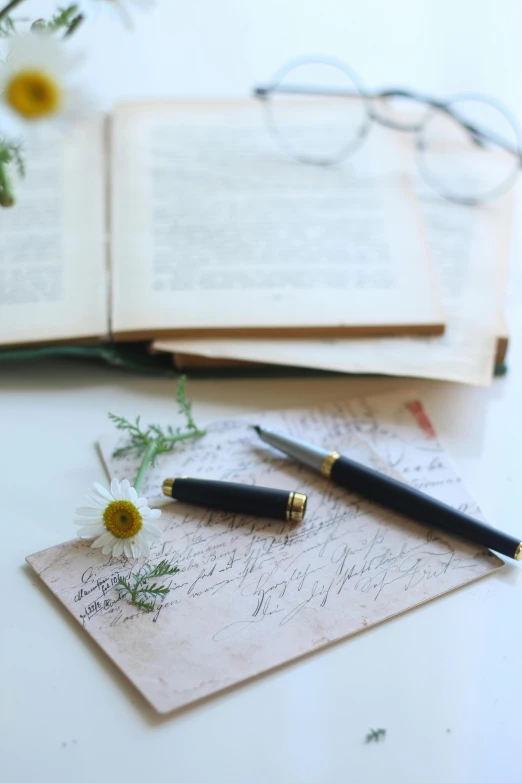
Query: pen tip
[257, 428]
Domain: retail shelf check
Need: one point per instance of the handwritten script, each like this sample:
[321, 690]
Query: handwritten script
[252, 593]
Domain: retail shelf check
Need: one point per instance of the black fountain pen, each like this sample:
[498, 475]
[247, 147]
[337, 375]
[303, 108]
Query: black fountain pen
[239, 498]
[391, 493]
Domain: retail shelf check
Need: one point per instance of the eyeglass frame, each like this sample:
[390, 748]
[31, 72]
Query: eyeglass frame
[478, 136]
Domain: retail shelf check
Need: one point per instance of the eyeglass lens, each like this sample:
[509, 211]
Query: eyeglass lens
[316, 111]
[468, 153]
[468, 150]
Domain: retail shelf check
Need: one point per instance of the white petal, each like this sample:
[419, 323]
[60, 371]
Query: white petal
[115, 489]
[85, 511]
[127, 549]
[118, 9]
[102, 492]
[136, 551]
[133, 495]
[41, 51]
[117, 549]
[150, 513]
[89, 520]
[90, 531]
[153, 531]
[107, 549]
[76, 103]
[124, 489]
[94, 501]
[106, 538]
[151, 542]
[143, 544]
[141, 502]
[98, 520]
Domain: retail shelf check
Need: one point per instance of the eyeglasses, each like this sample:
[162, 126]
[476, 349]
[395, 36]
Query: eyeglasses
[468, 147]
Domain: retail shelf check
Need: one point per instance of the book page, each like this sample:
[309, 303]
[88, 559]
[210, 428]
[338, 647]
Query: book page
[215, 229]
[253, 593]
[53, 282]
[471, 248]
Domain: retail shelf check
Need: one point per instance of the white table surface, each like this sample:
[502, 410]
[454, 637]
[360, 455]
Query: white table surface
[444, 679]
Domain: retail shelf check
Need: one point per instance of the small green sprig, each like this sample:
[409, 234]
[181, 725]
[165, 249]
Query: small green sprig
[141, 590]
[10, 154]
[7, 27]
[154, 440]
[6, 10]
[375, 735]
[66, 19]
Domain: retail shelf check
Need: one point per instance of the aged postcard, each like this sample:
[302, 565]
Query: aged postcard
[254, 593]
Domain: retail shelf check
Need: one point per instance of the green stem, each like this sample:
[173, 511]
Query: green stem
[76, 22]
[9, 7]
[147, 459]
[7, 198]
[153, 451]
[193, 434]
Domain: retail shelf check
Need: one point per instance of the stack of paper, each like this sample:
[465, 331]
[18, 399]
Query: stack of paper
[470, 247]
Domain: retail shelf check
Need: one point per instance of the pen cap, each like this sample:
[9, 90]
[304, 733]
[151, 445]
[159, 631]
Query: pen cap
[241, 498]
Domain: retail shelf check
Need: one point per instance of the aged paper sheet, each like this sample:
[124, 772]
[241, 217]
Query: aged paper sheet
[255, 593]
[213, 228]
[53, 276]
[470, 247]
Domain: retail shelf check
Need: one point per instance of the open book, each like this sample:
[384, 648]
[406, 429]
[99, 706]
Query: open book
[183, 220]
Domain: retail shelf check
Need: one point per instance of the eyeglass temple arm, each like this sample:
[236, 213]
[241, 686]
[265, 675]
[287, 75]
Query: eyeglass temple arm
[478, 136]
[263, 93]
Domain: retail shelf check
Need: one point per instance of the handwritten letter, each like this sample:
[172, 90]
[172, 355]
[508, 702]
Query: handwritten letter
[253, 593]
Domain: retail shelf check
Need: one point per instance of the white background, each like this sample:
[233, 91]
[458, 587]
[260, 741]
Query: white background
[220, 48]
[67, 714]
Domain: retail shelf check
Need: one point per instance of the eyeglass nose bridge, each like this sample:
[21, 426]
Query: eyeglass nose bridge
[398, 125]
[262, 93]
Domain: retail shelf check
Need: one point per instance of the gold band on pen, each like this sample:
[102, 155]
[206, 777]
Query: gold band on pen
[518, 552]
[167, 487]
[327, 464]
[296, 507]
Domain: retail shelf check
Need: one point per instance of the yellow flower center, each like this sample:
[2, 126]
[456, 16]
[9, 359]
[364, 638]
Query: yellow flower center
[122, 519]
[33, 94]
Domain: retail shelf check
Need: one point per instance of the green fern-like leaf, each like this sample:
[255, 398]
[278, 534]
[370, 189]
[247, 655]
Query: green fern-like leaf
[163, 440]
[63, 19]
[162, 569]
[140, 589]
[11, 152]
[375, 735]
[154, 590]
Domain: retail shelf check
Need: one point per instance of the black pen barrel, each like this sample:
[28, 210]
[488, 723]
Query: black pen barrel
[239, 498]
[392, 494]
[409, 501]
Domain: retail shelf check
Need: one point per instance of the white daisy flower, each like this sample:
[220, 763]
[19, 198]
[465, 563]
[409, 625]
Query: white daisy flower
[118, 8]
[119, 520]
[35, 80]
